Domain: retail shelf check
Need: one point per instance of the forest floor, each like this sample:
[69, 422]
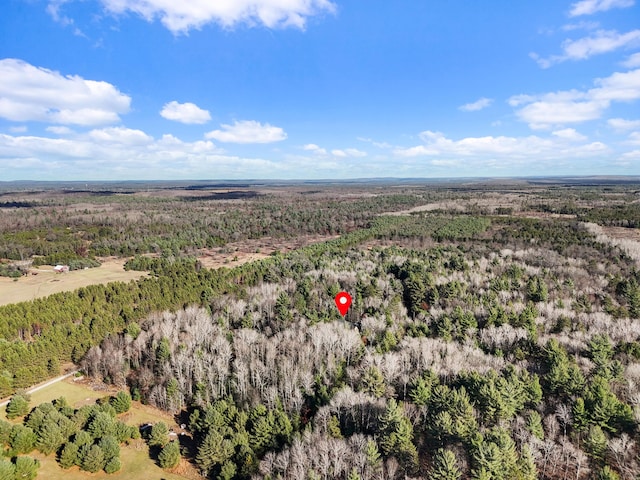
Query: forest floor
[43, 281]
[136, 463]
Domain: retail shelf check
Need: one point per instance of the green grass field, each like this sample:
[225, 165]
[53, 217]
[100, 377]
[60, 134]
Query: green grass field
[136, 463]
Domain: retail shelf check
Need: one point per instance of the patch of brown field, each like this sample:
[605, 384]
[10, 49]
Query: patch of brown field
[43, 281]
[239, 253]
[544, 215]
[622, 233]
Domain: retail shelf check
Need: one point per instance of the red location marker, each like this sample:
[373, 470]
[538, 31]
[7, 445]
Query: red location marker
[343, 302]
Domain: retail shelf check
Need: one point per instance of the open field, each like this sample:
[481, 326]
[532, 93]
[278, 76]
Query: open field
[136, 463]
[239, 253]
[43, 281]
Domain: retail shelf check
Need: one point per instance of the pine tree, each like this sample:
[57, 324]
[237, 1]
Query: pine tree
[121, 402]
[596, 442]
[608, 474]
[445, 466]
[113, 465]
[18, 406]
[159, 435]
[397, 436]
[534, 424]
[50, 437]
[7, 470]
[69, 456]
[22, 439]
[354, 475]
[26, 468]
[373, 382]
[526, 465]
[228, 471]
[169, 456]
[94, 460]
[110, 447]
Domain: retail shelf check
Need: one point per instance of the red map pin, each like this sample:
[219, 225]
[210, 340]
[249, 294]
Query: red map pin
[343, 302]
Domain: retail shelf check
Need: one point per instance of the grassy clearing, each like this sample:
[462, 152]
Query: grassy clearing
[136, 463]
[47, 282]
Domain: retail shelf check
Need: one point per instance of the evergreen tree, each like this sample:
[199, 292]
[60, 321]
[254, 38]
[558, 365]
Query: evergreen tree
[397, 436]
[26, 468]
[373, 382]
[596, 442]
[101, 424]
[534, 424]
[159, 435]
[445, 466]
[69, 456]
[18, 406]
[526, 465]
[22, 439]
[50, 437]
[94, 460]
[169, 456]
[608, 474]
[7, 470]
[121, 402]
[228, 471]
[354, 475]
[110, 447]
[113, 465]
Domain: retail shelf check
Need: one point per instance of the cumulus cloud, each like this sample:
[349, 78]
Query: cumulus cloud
[248, 131]
[622, 125]
[348, 152]
[59, 130]
[112, 153]
[188, 113]
[29, 93]
[633, 61]
[576, 106]
[508, 149]
[589, 7]
[603, 41]
[569, 134]
[477, 105]
[182, 16]
[312, 147]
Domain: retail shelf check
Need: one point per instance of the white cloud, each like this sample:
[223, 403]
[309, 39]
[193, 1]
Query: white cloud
[589, 7]
[575, 106]
[121, 135]
[182, 16]
[584, 25]
[59, 130]
[569, 134]
[18, 129]
[603, 41]
[477, 105]
[29, 93]
[348, 152]
[248, 131]
[507, 149]
[622, 125]
[634, 138]
[188, 113]
[633, 61]
[124, 153]
[312, 147]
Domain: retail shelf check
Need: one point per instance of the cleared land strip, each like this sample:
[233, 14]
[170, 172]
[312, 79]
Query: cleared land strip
[44, 281]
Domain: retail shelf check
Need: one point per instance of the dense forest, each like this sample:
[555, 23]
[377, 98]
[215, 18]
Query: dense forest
[494, 331]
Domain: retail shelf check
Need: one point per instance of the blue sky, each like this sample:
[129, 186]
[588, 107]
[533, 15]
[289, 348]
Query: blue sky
[318, 89]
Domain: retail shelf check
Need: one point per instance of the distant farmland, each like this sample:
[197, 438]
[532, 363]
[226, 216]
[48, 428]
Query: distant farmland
[48, 282]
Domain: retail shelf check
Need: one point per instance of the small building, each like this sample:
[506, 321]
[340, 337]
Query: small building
[61, 269]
